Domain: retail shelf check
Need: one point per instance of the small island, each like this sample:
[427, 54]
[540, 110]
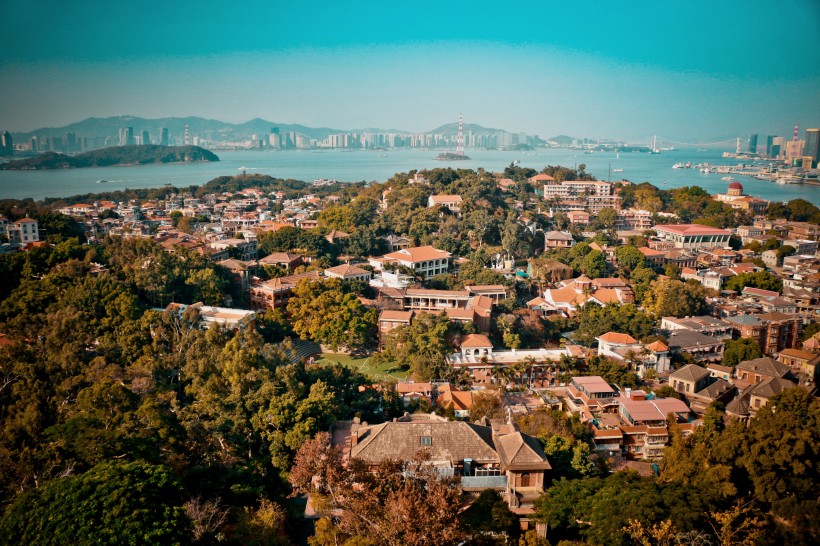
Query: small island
[450, 156]
[114, 156]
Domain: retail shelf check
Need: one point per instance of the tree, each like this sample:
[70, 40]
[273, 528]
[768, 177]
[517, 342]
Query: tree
[424, 344]
[606, 218]
[486, 404]
[323, 312]
[760, 279]
[394, 503]
[740, 350]
[669, 297]
[594, 264]
[113, 503]
[595, 320]
[629, 258]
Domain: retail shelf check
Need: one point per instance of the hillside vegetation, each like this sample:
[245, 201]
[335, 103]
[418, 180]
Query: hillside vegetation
[117, 155]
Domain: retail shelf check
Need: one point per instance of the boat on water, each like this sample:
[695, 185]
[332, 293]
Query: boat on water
[102, 181]
[617, 170]
[788, 180]
[727, 178]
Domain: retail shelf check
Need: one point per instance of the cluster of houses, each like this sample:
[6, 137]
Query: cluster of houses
[627, 424]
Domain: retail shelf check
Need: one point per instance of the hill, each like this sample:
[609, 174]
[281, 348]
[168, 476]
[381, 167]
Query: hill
[209, 129]
[562, 140]
[118, 155]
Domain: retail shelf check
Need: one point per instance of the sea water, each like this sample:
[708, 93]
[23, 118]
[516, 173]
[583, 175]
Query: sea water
[361, 165]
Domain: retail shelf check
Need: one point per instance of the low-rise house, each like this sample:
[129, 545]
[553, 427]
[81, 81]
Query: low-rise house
[348, 272]
[451, 202]
[23, 231]
[461, 402]
[800, 361]
[285, 260]
[760, 369]
[425, 261]
[397, 242]
[626, 349]
[700, 386]
[275, 293]
[700, 347]
[571, 295]
[558, 239]
[389, 321]
[410, 391]
[772, 331]
[705, 324]
[756, 396]
[483, 456]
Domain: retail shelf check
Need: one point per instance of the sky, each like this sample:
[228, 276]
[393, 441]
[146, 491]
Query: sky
[692, 71]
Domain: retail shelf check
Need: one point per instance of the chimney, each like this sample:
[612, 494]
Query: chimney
[354, 437]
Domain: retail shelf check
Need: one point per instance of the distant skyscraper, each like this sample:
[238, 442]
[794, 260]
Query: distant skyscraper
[163, 136]
[187, 137]
[35, 144]
[6, 145]
[753, 143]
[769, 143]
[146, 138]
[794, 150]
[812, 144]
[70, 142]
[126, 136]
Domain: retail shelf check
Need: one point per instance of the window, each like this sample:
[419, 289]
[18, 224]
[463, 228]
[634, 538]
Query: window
[426, 440]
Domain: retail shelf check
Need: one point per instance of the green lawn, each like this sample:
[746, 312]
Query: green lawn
[383, 371]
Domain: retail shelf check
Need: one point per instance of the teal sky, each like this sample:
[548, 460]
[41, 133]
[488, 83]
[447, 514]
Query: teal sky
[689, 70]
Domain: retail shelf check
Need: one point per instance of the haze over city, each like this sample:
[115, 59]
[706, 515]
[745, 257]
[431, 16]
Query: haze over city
[692, 71]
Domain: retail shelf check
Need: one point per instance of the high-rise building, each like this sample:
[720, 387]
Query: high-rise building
[34, 143]
[70, 142]
[812, 144]
[753, 143]
[126, 136]
[769, 144]
[146, 138]
[778, 147]
[163, 136]
[187, 136]
[794, 150]
[6, 144]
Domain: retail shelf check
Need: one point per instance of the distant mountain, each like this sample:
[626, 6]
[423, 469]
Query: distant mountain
[211, 129]
[451, 129]
[107, 157]
[562, 140]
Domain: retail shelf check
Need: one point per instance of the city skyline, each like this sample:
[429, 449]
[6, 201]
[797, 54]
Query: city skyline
[692, 72]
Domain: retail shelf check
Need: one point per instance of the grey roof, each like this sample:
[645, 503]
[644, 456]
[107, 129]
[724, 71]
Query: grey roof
[771, 387]
[765, 365]
[518, 451]
[690, 372]
[558, 236]
[739, 406]
[451, 441]
[716, 389]
[744, 320]
[689, 338]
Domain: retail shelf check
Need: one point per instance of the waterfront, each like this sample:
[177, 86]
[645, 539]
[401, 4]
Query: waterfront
[353, 166]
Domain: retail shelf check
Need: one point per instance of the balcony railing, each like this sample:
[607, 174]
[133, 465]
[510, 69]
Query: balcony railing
[484, 482]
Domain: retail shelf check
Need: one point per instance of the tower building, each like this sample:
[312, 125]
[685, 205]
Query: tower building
[812, 147]
[753, 143]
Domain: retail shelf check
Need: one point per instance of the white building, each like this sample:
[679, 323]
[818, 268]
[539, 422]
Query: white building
[23, 231]
[425, 261]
